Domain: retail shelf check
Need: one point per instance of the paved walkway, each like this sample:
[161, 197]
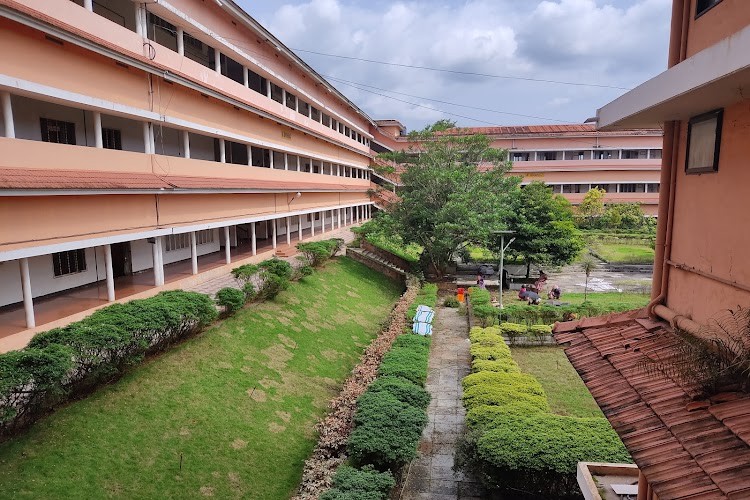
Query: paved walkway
[431, 475]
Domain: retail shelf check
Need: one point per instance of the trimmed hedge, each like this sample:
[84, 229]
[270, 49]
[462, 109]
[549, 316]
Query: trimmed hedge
[481, 306]
[315, 253]
[65, 362]
[427, 296]
[230, 299]
[407, 359]
[404, 390]
[366, 483]
[544, 314]
[515, 444]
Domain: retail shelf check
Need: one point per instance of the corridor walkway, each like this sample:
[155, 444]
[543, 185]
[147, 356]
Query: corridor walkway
[430, 475]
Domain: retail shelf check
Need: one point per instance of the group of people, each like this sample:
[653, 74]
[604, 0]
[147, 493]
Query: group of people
[531, 295]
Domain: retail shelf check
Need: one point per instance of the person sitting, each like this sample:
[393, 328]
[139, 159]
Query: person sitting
[522, 293]
[532, 298]
[480, 282]
[555, 293]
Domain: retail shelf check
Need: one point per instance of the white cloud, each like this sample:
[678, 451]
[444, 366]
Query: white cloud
[609, 42]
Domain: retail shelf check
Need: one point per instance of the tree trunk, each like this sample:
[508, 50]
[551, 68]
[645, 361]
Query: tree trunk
[528, 268]
[586, 289]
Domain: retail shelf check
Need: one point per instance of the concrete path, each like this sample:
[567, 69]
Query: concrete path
[431, 475]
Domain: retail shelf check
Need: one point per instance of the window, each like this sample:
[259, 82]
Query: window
[652, 188]
[111, 138]
[315, 114]
[261, 157]
[198, 51]
[57, 131]
[70, 262]
[162, 32]
[326, 120]
[232, 69]
[703, 141]
[291, 101]
[634, 154]
[605, 155]
[607, 188]
[575, 188]
[180, 241]
[256, 82]
[547, 155]
[303, 108]
[702, 6]
[556, 188]
[632, 188]
[517, 156]
[655, 154]
[277, 93]
[235, 152]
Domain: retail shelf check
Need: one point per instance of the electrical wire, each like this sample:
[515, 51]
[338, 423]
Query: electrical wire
[469, 73]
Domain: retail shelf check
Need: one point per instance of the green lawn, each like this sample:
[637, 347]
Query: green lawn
[566, 393]
[603, 299]
[237, 403]
[616, 253]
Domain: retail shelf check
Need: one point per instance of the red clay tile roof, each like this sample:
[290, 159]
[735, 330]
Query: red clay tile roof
[685, 450]
[39, 179]
[573, 129]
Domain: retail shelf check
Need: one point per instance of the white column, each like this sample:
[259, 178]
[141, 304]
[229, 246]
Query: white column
[193, 252]
[155, 250]
[249, 155]
[146, 139]
[322, 167]
[300, 228]
[222, 151]
[10, 129]
[273, 235]
[339, 210]
[312, 224]
[98, 141]
[323, 221]
[180, 41]
[270, 158]
[299, 166]
[338, 170]
[283, 96]
[245, 77]
[288, 230]
[28, 302]
[227, 246]
[88, 5]
[160, 242]
[139, 25]
[286, 161]
[268, 88]
[186, 143]
[110, 273]
[217, 61]
[253, 240]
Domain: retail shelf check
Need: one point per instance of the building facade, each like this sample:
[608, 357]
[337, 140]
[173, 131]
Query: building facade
[572, 159]
[140, 137]
[686, 443]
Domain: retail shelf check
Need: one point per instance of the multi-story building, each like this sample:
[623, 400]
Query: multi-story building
[571, 159]
[145, 142]
[687, 441]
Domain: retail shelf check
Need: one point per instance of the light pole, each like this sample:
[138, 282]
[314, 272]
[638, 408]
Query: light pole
[503, 248]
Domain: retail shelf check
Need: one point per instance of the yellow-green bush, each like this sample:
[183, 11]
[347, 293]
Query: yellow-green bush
[504, 365]
[496, 352]
[517, 381]
[488, 337]
[484, 417]
[479, 395]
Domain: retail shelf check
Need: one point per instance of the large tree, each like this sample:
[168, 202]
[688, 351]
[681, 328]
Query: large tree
[543, 225]
[455, 192]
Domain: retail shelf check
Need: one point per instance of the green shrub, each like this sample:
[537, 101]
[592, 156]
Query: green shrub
[521, 382]
[486, 314]
[426, 296]
[404, 390]
[479, 395]
[489, 339]
[244, 273]
[274, 276]
[483, 417]
[350, 483]
[249, 290]
[230, 299]
[513, 331]
[502, 365]
[386, 431]
[303, 271]
[407, 359]
[539, 333]
[493, 353]
[541, 451]
[68, 361]
[315, 252]
[451, 302]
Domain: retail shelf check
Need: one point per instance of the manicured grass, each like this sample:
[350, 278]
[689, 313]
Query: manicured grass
[237, 404]
[566, 393]
[410, 252]
[616, 253]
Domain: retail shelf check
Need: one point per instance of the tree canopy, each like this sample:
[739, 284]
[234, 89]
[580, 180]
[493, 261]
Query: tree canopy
[544, 229]
[455, 192]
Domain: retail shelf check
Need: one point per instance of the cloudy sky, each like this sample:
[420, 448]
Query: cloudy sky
[607, 44]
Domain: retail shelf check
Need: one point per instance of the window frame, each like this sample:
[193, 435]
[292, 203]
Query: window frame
[80, 259]
[70, 130]
[110, 135]
[718, 116]
[705, 9]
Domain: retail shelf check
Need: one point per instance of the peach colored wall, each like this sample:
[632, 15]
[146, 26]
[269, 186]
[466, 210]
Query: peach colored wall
[597, 176]
[20, 153]
[723, 20]
[605, 142]
[126, 41]
[30, 221]
[32, 57]
[712, 217]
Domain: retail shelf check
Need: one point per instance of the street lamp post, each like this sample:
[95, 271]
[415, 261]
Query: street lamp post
[503, 248]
